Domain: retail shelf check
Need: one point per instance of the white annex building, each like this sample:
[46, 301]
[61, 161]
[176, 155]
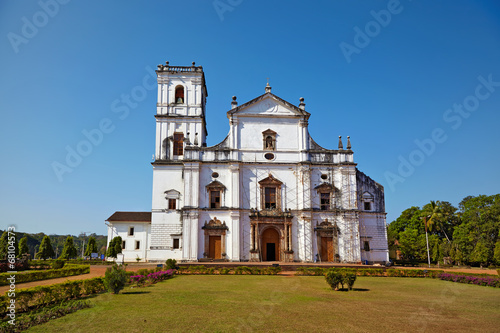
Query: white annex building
[267, 192]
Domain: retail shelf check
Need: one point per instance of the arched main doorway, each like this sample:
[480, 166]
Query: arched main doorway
[270, 245]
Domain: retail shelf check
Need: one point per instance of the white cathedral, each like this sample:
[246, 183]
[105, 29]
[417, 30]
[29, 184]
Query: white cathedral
[267, 192]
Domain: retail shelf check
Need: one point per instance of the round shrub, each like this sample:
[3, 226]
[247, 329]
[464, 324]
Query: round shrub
[171, 264]
[115, 279]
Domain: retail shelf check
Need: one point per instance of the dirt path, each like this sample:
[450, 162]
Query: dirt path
[95, 271]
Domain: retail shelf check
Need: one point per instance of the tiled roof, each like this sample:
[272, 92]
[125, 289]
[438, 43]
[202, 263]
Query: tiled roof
[130, 217]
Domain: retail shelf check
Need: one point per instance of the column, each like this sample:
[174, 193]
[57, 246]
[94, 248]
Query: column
[186, 228]
[193, 217]
[235, 239]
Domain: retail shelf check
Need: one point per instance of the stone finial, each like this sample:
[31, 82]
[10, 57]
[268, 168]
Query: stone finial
[302, 105]
[193, 63]
[166, 62]
[341, 146]
[348, 142]
[234, 103]
[268, 88]
[186, 140]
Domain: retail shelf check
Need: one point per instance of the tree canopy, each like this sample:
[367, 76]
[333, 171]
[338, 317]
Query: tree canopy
[469, 234]
[23, 246]
[91, 247]
[69, 249]
[45, 251]
[115, 247]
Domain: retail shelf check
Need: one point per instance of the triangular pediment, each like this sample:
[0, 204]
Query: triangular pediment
[268, 105]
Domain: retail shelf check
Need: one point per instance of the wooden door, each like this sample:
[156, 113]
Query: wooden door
[326, 249]
[214, 247]
[270, 243]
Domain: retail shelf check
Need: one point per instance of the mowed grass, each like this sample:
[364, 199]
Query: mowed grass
[205, 303]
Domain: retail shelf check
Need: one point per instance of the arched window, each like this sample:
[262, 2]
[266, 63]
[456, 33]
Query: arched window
[179, 95]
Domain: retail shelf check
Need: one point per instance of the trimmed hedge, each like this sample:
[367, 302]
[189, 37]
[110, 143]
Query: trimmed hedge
[239, 270]
[40, 296]
[319, 271]
[47, 264]
[29, 276]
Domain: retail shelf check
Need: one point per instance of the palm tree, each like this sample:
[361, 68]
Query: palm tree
[432, 217]
[436, 216]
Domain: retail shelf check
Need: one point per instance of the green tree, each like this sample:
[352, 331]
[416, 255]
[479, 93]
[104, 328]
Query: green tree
[91, 247]
[476, 235]
[496, 253]
[69, 249]
[4, 245]
[23, 246]
[412, 245]
[115, 247]
[45, 250]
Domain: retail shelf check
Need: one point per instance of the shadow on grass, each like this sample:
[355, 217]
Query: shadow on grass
[135, 292]
[353, 289]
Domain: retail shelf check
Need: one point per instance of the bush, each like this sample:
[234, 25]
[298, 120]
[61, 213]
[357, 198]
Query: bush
[139, 280]
[336, 277]
[224, 271]
[242, 270]
[115, 279]
[57, 264]
[171, 264]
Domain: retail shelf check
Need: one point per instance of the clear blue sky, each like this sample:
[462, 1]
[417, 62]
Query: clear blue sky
[397, 87]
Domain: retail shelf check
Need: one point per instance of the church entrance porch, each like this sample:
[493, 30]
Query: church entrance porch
[271, 236]
[215, 240]
[327, 240]
[270, 245]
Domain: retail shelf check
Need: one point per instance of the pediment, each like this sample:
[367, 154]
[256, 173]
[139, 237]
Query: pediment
[270, 181]
[268, 105]
[172, 194]
[216, 186]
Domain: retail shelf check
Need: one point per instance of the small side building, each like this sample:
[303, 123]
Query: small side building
[135, 230]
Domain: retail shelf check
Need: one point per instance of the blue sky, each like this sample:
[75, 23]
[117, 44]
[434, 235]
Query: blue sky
[392, 87]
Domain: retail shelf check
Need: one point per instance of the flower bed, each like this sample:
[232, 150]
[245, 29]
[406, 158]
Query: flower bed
[152, 278]
[19, 266]
[489, 281]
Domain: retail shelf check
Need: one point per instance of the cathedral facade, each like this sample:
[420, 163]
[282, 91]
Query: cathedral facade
[267, 192]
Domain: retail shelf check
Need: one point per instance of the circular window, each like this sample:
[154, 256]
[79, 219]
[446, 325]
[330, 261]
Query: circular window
[324, 176]
[215, 175]
[269, 156]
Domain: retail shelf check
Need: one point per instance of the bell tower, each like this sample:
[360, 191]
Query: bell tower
[180, 110]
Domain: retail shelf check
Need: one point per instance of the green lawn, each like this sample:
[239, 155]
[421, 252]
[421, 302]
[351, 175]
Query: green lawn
[289, 304]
